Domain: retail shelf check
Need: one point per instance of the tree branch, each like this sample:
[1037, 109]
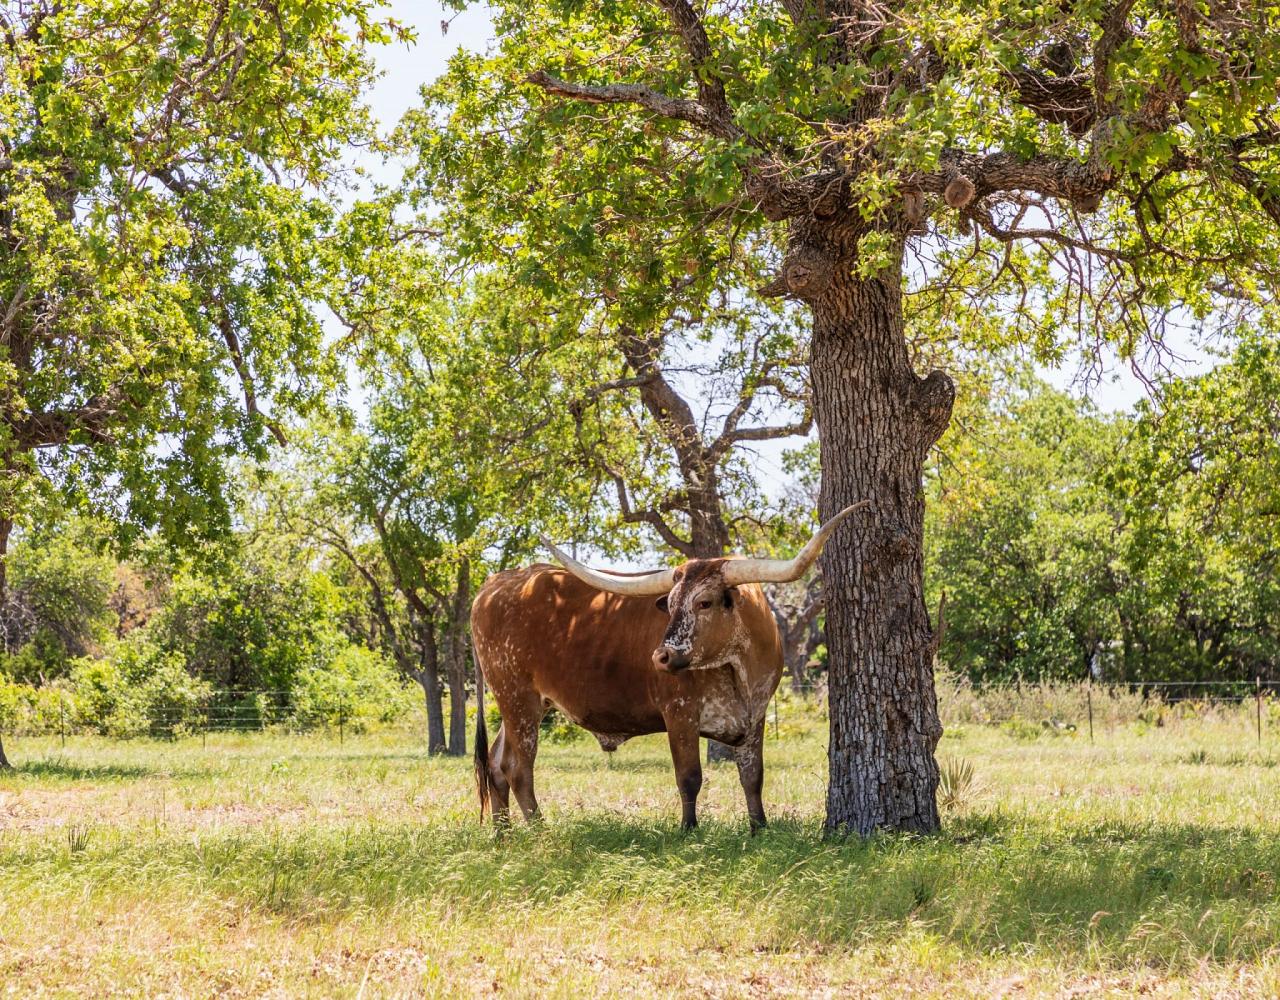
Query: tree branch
[650, 517]
[694, 35]
[678, 109]
[52, 428]
[229, 337]
[1082, 184]
[1063, 100]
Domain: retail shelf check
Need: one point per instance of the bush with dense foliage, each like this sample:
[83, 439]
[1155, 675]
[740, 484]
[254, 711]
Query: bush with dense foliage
[357, 688]
[138, 689]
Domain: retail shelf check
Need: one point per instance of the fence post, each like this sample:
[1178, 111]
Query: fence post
[1257, 701]
[62, 717]
[342, 704]
[1089, 698]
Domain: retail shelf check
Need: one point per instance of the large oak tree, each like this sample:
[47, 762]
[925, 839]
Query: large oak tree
[1098, 169]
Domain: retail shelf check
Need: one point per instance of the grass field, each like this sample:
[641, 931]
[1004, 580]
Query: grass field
[295, 866]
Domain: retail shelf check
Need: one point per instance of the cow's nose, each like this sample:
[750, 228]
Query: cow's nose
[666, 658]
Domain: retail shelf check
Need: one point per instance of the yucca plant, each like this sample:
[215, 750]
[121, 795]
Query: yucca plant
[955, 782]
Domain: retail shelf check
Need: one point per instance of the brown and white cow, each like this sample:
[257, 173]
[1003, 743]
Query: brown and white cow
[702, 660]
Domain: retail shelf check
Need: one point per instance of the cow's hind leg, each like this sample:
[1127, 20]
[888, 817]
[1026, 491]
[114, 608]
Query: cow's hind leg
[750, 758]
[685, 754]
[519, 750]
[499, 789]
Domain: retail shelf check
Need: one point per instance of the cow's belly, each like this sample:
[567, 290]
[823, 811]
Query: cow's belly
[616, 726]
[606, 701]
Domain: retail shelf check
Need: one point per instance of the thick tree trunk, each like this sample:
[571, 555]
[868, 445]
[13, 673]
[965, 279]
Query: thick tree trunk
[432, 691]
[877, 421]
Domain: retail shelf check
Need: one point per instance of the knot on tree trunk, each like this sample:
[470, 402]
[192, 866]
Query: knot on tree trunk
[959, 191]
[806, 274]
[933, 397]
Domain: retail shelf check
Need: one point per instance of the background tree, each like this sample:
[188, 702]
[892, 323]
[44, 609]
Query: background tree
[166, 184]
[1133, 547]
[1195, 487]
[58, 603]
[321, 495]
[1024, 536]
[1105, 168]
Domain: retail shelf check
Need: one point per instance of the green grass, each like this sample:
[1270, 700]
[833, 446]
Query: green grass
[295, 866]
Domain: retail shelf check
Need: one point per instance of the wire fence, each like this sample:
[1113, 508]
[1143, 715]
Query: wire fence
[1092, 705]
[1089, 707]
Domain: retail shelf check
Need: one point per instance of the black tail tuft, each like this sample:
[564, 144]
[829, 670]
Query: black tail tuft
[482, 747]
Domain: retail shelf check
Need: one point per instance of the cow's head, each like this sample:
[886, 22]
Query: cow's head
[700, 597]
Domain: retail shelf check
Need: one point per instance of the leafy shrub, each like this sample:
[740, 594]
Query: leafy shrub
[559, 729]
[357, 687]
[138, 689]
[27, 708]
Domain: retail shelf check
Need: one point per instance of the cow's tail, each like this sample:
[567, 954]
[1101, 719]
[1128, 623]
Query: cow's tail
[483, 781]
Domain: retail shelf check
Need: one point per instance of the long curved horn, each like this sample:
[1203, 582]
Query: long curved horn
[649, 585]
[738, 571]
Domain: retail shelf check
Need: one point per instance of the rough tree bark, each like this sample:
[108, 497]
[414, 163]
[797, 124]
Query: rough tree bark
[876, 421]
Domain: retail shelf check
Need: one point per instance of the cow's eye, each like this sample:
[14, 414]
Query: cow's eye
[704, 604]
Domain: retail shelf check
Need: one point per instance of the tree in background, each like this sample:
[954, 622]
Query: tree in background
[1101, 168]
[58, 602]
[1130, 547]
[166, 187]
[467, 452]
[1196, 488]
[1023, 536]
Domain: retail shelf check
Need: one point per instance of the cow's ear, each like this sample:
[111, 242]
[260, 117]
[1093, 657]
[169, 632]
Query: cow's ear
[729, 594]
[661, 602]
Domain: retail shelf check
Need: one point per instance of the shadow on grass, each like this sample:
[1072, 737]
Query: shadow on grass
[59, 767]
[1118, 892]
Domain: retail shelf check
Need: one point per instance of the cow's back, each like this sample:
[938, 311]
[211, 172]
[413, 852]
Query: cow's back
[541, 633]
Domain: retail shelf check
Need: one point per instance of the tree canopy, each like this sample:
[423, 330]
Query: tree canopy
[167, 213]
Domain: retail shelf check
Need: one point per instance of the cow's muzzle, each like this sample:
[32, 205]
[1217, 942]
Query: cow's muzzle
[666, 658]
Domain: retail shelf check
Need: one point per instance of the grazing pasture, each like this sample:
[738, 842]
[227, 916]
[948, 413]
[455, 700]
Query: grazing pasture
[284, 865]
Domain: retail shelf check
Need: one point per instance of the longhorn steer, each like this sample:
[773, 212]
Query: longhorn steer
[703, 660]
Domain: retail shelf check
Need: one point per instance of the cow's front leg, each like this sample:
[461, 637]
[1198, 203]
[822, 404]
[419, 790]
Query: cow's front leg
[750, 758]
[686, 755]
